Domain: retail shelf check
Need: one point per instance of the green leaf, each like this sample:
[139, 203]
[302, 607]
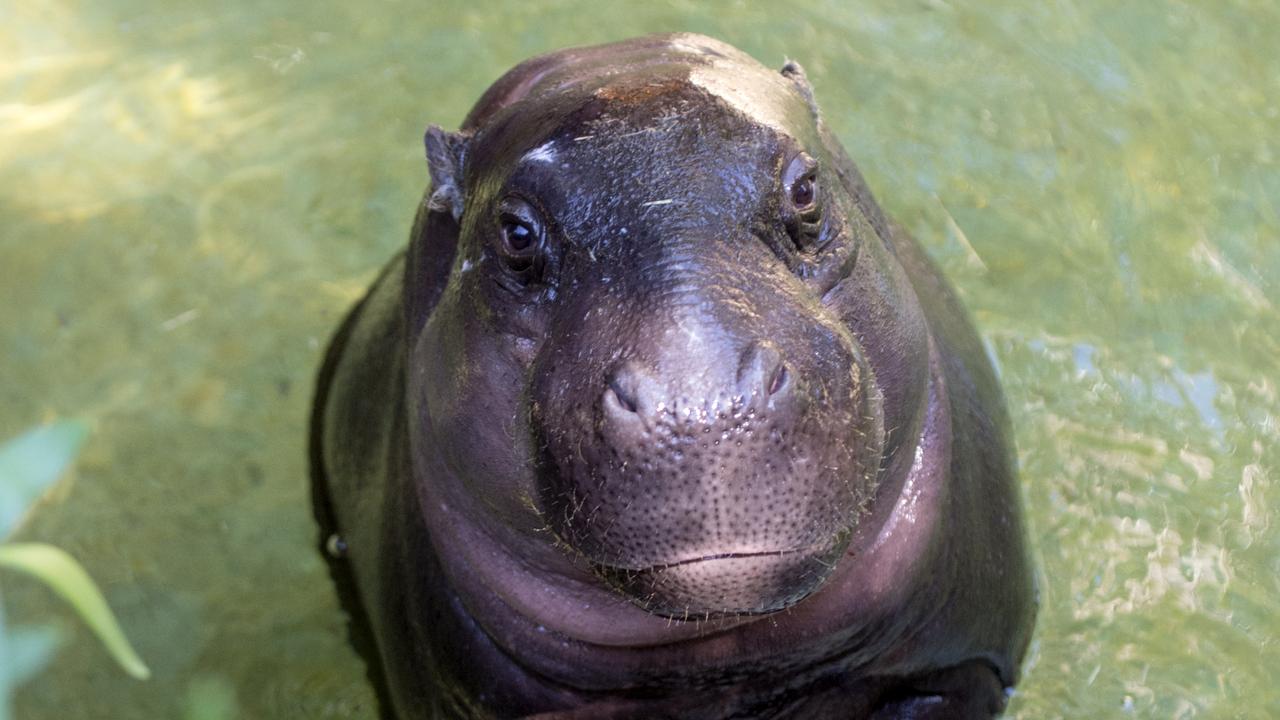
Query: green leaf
[27, 650]
[31, 462]
[24, 651]
[61, 572]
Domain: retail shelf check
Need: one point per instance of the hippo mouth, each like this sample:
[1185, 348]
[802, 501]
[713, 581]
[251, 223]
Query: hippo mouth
[727, 583]
[715, 556]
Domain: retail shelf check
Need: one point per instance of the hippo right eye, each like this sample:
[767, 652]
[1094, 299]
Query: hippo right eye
[521, 240]
[518, 235]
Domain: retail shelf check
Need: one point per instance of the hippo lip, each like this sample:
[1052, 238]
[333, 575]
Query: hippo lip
[726, 583]
[657, 567]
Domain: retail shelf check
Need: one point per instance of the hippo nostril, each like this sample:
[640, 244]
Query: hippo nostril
[780, 376]
[762, 370]
[625, 399]
[629, 391]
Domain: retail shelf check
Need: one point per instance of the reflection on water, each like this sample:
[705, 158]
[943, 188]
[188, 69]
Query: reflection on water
[192, 194]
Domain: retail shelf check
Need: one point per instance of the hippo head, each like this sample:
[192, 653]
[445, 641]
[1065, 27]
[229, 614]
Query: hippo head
[631, 337]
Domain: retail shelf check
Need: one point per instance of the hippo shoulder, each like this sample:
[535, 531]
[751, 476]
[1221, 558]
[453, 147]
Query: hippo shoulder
[982, 484]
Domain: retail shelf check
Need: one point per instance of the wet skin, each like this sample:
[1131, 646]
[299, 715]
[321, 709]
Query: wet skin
[659, 416]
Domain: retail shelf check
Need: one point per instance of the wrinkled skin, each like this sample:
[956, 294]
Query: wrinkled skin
[659, 416]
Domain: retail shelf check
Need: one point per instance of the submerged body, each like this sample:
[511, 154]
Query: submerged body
[659, 416]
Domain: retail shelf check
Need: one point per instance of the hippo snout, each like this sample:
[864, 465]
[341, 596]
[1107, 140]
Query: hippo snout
[632, 392]
[702, 473]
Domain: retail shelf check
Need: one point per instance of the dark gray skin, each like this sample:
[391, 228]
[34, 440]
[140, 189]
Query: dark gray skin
[660, 417]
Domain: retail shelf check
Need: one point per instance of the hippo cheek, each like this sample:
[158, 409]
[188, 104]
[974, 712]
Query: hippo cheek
[471, 422]
[716, 504]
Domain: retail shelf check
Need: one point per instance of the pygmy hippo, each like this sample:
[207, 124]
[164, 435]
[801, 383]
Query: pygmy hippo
[659, 416]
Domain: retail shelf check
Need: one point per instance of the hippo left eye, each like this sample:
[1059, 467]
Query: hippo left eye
[802, 210]
[803, 192]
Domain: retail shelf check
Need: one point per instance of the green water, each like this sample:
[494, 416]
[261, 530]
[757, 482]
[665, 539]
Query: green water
[192, 193]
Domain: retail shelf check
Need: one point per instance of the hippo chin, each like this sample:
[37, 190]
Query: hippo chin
[659, 416]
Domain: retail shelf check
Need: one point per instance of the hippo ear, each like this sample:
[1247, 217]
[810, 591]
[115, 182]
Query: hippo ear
[793, 72]
[446, 152]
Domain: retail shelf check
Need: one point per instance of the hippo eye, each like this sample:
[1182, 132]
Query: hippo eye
[518, 234]
[521, 240]
[802, 210]
[803, 192]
